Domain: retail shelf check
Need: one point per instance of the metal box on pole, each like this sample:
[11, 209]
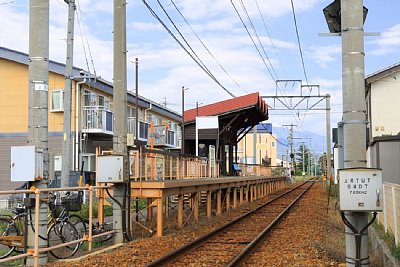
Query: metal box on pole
[26, 163]
[110, 169]
[360, 189]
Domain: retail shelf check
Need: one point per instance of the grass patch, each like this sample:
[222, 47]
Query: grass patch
[388, 238]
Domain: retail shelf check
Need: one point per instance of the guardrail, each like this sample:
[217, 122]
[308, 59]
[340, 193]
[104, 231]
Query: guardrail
[36, 250]
[390, 217]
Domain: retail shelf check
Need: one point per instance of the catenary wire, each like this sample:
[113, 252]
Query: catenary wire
[270, 38]
[258, 38]
[205, 47]
[251, 37]
[183, 47]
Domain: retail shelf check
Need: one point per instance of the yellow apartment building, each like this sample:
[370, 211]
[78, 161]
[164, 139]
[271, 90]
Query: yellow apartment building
[265, 146]
[92, 115]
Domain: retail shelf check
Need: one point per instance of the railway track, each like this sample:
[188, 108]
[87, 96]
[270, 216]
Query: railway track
[230, 244]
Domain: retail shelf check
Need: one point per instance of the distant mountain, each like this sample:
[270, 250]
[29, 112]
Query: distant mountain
[315, 142]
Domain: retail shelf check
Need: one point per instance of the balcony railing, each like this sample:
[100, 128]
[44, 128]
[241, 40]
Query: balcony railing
[144, 128]
[97, 120]
[165, 137]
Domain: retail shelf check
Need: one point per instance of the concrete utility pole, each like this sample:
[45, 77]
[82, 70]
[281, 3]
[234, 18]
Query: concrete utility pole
[328, 136]
[38, 108]
[66, 149]
[120, 101]
[291, 149]
[354, 112]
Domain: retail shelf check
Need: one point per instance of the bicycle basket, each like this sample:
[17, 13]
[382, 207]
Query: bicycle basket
[72, 202]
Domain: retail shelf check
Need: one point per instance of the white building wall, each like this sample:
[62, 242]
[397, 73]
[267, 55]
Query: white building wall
[385, 107]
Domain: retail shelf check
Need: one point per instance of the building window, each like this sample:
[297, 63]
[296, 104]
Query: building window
[57, 101]
[89, 98]
[273, 144]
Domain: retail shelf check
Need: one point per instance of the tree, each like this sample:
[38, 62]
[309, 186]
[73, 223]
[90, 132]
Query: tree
[299, 159]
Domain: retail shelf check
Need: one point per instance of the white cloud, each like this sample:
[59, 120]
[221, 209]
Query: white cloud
[388, 43]
[145, 26]
[323, 55]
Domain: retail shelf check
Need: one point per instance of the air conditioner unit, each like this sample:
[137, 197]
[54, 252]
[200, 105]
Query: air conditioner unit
[89, 162]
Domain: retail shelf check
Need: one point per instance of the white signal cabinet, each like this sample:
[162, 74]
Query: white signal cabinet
[360, 189]
[110, 169]
[26, 163]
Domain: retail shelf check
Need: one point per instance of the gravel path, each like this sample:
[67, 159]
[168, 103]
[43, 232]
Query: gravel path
[309, 236]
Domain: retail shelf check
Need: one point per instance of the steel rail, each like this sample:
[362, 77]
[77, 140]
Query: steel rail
[174, 255]
[253, 244]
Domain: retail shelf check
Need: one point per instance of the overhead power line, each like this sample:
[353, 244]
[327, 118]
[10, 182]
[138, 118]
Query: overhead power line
[254, 43]
[298, 42]
[205, 47]
[269, 36]
[258, 38]
[154, 14]
[301, 56]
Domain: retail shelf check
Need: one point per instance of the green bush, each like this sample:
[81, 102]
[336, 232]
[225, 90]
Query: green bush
[84, 212]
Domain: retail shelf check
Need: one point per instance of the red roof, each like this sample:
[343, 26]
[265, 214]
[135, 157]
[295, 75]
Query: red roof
[226, 106]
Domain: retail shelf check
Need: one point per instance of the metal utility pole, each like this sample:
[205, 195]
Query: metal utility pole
[354, 112]
[38, 110]
[66, 149]
[120, 104]
[303, 163]
[328, 137]
[137, 101]
[183, 121]
[254, 145]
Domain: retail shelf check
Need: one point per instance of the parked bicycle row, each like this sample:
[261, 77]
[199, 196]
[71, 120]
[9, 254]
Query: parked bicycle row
[64, 224]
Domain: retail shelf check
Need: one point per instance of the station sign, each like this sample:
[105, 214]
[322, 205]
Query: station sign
[360, 189]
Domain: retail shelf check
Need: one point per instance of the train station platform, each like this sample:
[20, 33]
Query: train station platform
[240, 188]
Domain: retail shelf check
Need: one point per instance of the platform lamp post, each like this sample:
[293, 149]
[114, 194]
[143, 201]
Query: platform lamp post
[183, 120]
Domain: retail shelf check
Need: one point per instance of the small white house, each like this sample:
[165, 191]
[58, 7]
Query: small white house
[382, 95]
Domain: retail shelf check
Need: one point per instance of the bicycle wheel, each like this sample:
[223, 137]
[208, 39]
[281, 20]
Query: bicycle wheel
[102, 228]
[79, 224]
[7, 229]
[63, 232]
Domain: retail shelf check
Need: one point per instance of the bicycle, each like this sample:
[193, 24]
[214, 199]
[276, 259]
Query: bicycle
[66, 227]
[62, 228]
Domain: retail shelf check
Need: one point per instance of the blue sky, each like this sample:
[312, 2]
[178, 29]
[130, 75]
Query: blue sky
[165, 67]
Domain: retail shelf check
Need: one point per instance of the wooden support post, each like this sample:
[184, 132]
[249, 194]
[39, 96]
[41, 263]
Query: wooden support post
[167, 207]
[247, 188]
[196, 206]
[100, 207]
[177, 168]
[170, 167]
[159, 217]
[180, 210]
[251, 193]
[241, 195]
[228, 199]
[149, 209]
[209, 204]
[235, 198]
[219, 208]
